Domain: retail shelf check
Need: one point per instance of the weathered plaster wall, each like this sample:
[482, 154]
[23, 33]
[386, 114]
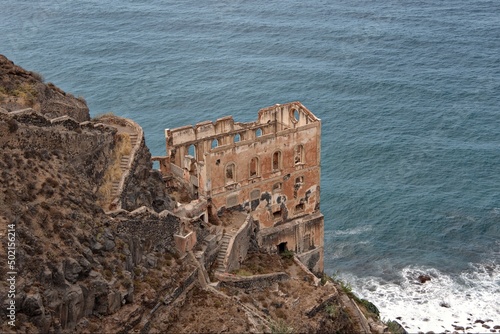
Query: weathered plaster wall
[239, 245]
[270, 168]
[313, 260]
[300, 236]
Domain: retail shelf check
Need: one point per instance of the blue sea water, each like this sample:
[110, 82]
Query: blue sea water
[409, 97]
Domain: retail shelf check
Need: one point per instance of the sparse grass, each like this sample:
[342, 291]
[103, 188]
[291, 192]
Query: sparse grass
[368, 307]
[123, 147]
[153, 281]
[217, 304]
[281, 314]
[104, 115]
[346, 287]
[281, 327]
[242, 272]
[288, 254]
[23, 93]
[37, 76]
[26, 93]
[331, 310]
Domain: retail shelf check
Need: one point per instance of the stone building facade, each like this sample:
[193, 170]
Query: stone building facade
[269, 168]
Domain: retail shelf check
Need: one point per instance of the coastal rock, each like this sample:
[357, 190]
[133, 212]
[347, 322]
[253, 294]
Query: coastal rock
[24, 89]
[424, 278]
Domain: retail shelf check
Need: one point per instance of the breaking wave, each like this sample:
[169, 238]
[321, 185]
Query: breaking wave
[468, 302]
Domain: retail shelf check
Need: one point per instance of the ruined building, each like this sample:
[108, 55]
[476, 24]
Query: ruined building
[268, 169]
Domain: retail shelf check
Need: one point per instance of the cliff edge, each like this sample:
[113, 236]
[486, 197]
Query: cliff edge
[90, 256]
[20, 89]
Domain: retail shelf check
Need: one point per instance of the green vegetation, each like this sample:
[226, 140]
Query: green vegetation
[281, 327]
[287, 254]
[346, 287]
[23, 93]
[242, 272]
[331, 310]
[394, 327]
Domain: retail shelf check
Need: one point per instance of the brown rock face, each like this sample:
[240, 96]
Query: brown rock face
[20, 89]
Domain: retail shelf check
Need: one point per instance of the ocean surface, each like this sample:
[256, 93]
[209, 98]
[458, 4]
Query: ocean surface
[409, 97]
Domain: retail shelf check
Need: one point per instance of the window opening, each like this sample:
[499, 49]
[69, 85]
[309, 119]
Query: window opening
[277, 214]
[230, 170]
[299, 207]
[237, 138]
[215, 143]
[276, 160]
[192, 150]
[299, 154]
[282, 247]
[258, 132]
[254, 167]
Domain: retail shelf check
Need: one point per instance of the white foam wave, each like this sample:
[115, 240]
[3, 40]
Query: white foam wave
[445, 303]
[354, 231]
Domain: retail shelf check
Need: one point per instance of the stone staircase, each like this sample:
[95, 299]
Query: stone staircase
[124, 165]
[221, 267]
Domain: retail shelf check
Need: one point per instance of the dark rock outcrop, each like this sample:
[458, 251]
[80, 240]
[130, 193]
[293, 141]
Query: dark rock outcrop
[20, 89]
[144, 186]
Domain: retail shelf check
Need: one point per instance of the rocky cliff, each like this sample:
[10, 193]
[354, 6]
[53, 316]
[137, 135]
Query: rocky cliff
[81, 269]
[21, 89]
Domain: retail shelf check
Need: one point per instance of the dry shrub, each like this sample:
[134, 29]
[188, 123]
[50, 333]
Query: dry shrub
[245, 299]
[13, 126]
[123, 144]
[26, 94]
[123, 147]
[281, 314]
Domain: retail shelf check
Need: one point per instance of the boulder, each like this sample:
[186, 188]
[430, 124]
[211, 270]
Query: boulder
[33, 305]
[88, 300]
[72, 270]
[72, 307]
[424, 278]
[114, 301]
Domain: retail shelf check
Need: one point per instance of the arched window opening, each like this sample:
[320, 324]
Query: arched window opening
[277, 187]
[276, 160]
[230, 173]
[300, 206]
[258, 132]
[254, 167]
[237, 138]
[282, 247]
[192, 150]
[295, 115]
[215, 143]
[298, 154]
